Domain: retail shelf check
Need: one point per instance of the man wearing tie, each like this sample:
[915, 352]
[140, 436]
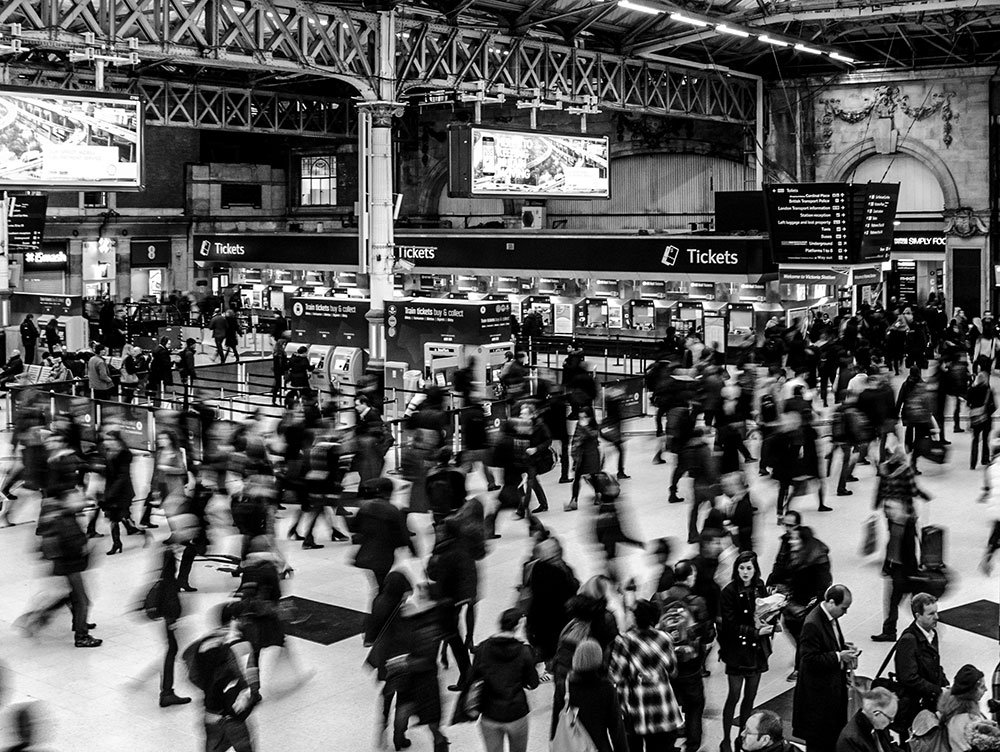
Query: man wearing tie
[824, 661]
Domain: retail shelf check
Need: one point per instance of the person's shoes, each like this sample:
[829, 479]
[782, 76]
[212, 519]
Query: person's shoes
[956, 429]
[851, 479]
[454, 688]
[765, 474]
[917, 472]
[675, 499]
[883, 637]
[115, 549]
[494, 487]
[565, 480]
[750, 459]
[623, 476]
[540, 509]
[337, 537]
[864, 461]
[401, 743]
[294, 535]
[310, 545]
[824, 508]
[134, 531]
[518, 515]
[187, 588]
[725, 746]
[169, 698]
[945, 442]
[86, 641]
[844, 492]
[150, 525]
[95, 534]
[792, 677]
[495, 536]
[659, 461]
[571, 506]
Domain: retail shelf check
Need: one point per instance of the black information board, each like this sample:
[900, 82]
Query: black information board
[880, 201]
[808, 222]
[26, 222]
[831, 223]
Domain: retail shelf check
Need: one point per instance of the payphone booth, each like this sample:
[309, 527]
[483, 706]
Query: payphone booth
[690, 315]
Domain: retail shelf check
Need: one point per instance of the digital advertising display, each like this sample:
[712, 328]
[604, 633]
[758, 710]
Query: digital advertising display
[493, 162]
[77, 141]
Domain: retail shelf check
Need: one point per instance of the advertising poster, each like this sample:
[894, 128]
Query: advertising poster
[563, 318]
[409, 325]
[492, 162]
[614, 316]
[330, 321]
[55, 139]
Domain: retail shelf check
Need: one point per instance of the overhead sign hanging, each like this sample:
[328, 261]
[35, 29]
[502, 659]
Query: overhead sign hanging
[26, 222]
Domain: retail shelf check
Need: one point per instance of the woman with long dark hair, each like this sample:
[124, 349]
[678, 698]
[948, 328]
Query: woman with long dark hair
[744, 643]
[118, 491]
[384, 635]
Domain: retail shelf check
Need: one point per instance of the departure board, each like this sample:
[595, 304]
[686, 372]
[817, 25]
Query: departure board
[878, 215]
[809, 222]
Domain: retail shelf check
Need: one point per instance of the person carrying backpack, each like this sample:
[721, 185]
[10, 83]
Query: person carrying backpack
[231, 693]
[684, 617]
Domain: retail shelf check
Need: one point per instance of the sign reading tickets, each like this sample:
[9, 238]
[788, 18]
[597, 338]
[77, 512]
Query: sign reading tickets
[411, 324]
[330, 321]
[46, 305]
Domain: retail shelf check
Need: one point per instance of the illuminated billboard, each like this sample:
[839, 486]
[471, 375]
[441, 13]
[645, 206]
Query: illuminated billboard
[494, 162]
[71, 140]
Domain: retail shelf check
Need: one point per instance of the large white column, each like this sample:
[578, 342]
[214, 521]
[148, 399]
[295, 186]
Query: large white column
[375, 162]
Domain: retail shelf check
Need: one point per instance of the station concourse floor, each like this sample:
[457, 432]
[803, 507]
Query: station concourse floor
[105, 699]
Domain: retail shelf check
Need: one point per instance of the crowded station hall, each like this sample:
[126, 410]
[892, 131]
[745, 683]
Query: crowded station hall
[520, 375]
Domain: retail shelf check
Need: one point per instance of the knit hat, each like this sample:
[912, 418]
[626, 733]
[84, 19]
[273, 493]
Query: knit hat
[966, 681]
[588, 656]
[376, 488]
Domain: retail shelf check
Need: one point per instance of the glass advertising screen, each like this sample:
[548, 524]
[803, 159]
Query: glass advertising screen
[492, 162]
[82, 141]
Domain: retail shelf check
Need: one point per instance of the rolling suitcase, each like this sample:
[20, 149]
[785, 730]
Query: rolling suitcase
[932, 548]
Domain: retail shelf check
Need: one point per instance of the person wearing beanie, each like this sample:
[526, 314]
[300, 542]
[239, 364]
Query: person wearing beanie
[506, 667]
[595, 698]
[958, 708]
[649, 710]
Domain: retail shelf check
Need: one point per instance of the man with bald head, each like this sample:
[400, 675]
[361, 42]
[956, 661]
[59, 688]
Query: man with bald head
[868, 730]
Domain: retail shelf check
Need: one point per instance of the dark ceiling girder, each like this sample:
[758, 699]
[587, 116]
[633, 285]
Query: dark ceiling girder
[596, 15]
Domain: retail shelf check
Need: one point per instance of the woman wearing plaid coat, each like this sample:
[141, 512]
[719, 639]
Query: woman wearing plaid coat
[640, 666]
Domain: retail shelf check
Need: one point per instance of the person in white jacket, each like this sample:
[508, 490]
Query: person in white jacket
[991, 497]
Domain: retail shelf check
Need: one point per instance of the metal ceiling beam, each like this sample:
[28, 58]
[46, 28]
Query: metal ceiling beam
[672, 42]
[863, 10]
[596, 15]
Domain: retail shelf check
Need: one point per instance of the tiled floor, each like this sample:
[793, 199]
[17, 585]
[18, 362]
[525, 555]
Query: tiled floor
[105, 700]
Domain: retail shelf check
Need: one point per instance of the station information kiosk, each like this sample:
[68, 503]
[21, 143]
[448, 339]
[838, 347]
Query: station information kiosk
[438, 337]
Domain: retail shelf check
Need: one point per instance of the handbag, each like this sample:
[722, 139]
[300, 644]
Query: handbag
[570, 734]
[869, 535]
[152, 603]
[545, 462]
[469, 702]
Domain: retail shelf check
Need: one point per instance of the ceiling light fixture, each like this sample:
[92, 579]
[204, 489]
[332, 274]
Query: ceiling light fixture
[811, 50]
[842, 58]
[723, 29]
[771, 40]
[639, 7]
[680, 17]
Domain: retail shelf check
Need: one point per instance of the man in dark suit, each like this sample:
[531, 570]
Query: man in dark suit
[918, 663]
[824, 659]
[868, 730]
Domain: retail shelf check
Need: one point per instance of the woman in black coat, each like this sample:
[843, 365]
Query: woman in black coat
[385, 636]
[118, 491]
[551, 583]
[744, 645]
[586, 452]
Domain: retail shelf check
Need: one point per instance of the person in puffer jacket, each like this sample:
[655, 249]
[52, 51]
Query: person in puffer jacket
[507, 668]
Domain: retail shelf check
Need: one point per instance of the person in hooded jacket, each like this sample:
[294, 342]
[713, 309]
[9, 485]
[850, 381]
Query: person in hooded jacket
[589, 619]
[591, 692]
[548, 583]
[507, 668]
[379, 529]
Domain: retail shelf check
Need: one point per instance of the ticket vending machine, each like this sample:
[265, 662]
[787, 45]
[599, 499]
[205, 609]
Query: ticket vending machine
[319, 358]
[345, 367]
[490, 360]
[442, 359]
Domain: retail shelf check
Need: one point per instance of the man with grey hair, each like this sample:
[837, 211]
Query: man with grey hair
[868, 730]
[764, 732]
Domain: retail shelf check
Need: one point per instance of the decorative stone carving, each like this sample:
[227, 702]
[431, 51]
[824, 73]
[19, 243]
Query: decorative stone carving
[888, 102]
[382, 113]
[965, 223]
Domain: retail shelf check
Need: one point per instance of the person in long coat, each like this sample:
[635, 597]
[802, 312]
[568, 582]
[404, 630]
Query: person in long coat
[824, 660]
[118, 490]
[586, 452]
[551, 583]
[379, 529]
